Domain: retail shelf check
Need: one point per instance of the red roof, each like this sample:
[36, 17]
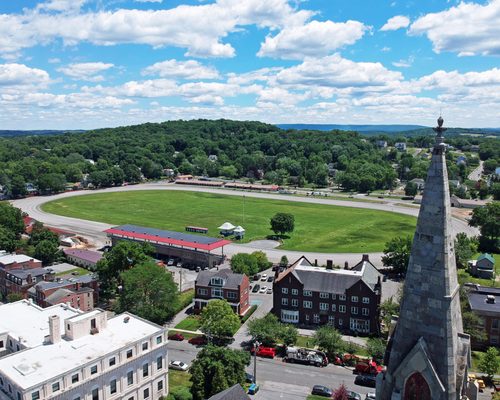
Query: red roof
[168, 240]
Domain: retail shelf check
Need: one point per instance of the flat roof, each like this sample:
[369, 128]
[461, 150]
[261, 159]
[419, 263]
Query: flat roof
[87, 255]
[16, 258]
[30, 368]
[167, 237]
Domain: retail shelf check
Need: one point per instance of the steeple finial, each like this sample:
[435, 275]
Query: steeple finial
[439, 137]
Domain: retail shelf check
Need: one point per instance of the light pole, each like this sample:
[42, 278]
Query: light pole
[256, 345]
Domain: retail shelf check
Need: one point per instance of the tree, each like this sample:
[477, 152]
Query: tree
[18, 186]
[329, 339]
[341, 393]
[261, 259]
[284, 262]
[243, 263]
[465, 248]
[472, 325]
[288, 334]
[13, 297]
[282, 223]
[46, 251]
[490, 363]
[495, 190]
[180, 393]
[219, 320]
[52, 183]
[411, 189]
[376, 348]
[12, 219]
[265, 329]
[397, 253]
[217, 362]
[40, 233]
[388, 308]
[487, 219]
[8, 240]
[149, 292]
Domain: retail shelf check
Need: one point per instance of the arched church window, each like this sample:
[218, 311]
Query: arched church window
[417, 388]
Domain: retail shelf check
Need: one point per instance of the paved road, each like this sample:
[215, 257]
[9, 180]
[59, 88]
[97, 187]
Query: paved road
[475, 175]
[94, 230]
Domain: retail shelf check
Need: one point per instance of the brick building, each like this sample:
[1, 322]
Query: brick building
[83, 258]
[222, 284]
[13, 275]
[485, 303]
[347, 299]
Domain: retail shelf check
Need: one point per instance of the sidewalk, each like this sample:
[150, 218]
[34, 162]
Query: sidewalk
[178, 317]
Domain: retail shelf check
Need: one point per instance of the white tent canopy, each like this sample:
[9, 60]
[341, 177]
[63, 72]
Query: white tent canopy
[238, 229]
[226, 226]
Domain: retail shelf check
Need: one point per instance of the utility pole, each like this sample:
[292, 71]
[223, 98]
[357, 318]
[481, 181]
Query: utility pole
[180, 279]
[256, 345]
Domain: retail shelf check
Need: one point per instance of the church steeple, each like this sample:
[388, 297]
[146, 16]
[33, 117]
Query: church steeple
[428, 351]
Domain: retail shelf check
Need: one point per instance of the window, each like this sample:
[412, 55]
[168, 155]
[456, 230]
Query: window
[354, 299]
[295, 292]
[159, 339]
[18, 396]
[284, 290]
[144, 346]
[307, 317]
[146, 393]
[217, 281]
[334, 307]
[160, 385]
[366, 300]
[112, 386]
[354, 310]
[341, 322]
[494, 324]
[35, 395]
[217, 292]
[308, 293]
[316, 318]
[331, 320]
[159, 362]
[324, 295]
[365, 311]
[323, 306]
[145, 370]
[56, 386]
[307, 304]
[284, 301]
[231, 295]
[1, 344]
[334, 296]
[130, 353]
[342, 309]
[74, 378]
[112, 361]
[95, 394]
[93, 370]
[202, 291]
[295, 303]
[342, 297]
[130, 378]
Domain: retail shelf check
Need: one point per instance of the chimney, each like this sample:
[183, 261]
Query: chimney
[365, 257]
[54, 329]
[346, 265]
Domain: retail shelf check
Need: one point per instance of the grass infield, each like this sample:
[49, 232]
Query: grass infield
[318, 227]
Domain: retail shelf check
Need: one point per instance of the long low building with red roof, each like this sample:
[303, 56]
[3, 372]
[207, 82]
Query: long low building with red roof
[190, 248]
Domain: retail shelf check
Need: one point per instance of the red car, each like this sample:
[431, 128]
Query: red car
[269, 352]
[176, 336]
[198, 340]
[368, 367]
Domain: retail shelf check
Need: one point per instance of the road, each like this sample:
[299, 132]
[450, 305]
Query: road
[94, 230]
[475, 175]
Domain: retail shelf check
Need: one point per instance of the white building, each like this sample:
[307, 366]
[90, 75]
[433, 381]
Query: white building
[62, 353]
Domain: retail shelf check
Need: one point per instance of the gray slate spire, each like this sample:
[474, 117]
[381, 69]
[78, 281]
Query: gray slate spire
[428, 338]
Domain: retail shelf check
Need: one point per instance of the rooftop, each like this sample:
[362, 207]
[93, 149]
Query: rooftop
[478, 303]
[167, 237]
[23, 273]
[8, 259]
[87, 255]
[232, 280]
[58, 283]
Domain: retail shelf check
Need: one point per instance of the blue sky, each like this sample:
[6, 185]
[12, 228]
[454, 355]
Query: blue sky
[80, 64]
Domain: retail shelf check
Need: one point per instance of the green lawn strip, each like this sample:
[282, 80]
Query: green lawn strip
[75, 271]
[314, 397]
[318, 227]
[191, 323]
[308, 342]
[248, 314]
[178, 379]
[186, 335]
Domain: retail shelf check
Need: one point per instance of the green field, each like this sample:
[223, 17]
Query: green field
[318, 227]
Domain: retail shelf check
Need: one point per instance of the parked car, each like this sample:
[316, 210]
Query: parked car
[366, 380]
[263, 289]
[370, 396]
[367, 367]
[197, 269]
[270, 279]
[179, 264]
[170, 262]
[176, 336]
[263, 351]
[353, 395]
[269, 290]
[263, 277]
[256, 277]
[178, 365]
[320, 390]
[256, 288]
[254, 388]
[198, 340]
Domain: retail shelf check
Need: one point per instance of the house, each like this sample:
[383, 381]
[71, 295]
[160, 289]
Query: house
[485, 303]
[222, 284]
[169, 172]
[401, 146]
[381, 143]
[15, 262]
[31, 189]
[466, 203]
[474, 147]
[419, 182]
[461, 160]
[212, 158]
[235, 392]
[347, 299]
[483, 267]
[19, 281]
[63, 353]
[83, 258]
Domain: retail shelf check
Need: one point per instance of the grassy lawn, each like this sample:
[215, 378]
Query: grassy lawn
[185, 299]
[186, 335]
[75, 271]
[318, 227]
[464, 276]
[307, 341]
[191, 323]
[314, 397]
[178, 379]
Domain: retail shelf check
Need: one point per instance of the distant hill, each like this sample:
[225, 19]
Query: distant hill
[36, 132]
[357, 128]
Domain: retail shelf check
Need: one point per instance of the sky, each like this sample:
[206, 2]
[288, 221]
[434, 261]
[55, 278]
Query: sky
[83, 64]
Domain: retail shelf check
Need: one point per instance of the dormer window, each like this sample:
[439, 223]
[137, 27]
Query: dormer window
[217, 281]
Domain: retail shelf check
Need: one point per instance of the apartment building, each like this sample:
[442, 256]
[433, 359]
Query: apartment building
[61, 353]
[12, 277]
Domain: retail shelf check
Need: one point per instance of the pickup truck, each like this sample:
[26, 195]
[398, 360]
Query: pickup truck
[368, 367]
[262, 351]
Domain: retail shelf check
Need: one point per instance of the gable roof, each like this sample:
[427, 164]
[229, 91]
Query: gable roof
[487, 257]
[235, 392]
[232, 280]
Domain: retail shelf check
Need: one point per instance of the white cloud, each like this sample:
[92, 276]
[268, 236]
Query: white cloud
[456, 81]
[467, 29]
[61, 5]
[395, 23]
[190, 69]
[404, 63]
[86, 71]
[54, 60]
[148, 1]
[314, 39]
[21, 75]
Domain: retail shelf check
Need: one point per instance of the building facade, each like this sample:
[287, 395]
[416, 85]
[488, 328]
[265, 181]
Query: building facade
[347, 299]
[12, 265]
[222, 284]
[71, 355]
[485, 303]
